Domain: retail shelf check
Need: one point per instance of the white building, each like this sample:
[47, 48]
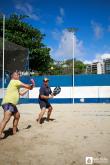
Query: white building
[101, 67]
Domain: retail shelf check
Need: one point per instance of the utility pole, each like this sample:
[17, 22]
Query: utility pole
[3, 52]
[73, 31]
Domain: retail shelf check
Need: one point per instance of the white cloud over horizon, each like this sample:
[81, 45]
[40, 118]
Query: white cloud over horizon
[98, 58]
[59, 18]
[65, 47]
[105, 55]
[28, 10]
[62, 13]
[98, 30]
[108, 28]
[56, 34]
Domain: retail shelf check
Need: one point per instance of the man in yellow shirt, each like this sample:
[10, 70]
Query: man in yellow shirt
[11, 100]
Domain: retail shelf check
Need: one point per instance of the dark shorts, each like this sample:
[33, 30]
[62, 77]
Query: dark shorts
[10, 107]
[44, 104]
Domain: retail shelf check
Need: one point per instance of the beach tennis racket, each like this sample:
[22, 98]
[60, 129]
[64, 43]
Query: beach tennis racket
[32, 83]
[56, 91]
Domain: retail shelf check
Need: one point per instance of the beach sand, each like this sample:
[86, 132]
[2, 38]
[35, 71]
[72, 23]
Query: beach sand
[76, 132]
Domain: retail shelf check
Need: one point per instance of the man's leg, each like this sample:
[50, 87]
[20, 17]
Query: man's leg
[49, 112]
[7, 116]
[15, 122]
[43, 109]
[41, 114]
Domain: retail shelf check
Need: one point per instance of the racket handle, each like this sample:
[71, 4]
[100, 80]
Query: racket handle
[33, 82]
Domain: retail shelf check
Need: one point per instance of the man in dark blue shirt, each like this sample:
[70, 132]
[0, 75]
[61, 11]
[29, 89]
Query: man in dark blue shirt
[44, 94]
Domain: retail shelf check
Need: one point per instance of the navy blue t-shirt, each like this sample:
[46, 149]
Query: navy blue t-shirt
[44, 91]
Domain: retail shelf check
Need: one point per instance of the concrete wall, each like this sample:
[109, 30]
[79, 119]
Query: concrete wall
[88, 89]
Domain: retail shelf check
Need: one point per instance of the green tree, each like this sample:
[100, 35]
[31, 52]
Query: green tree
[21, 33]
[79, 67]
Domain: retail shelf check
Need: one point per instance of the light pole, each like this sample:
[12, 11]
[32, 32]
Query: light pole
[3, 74]
[73, 31]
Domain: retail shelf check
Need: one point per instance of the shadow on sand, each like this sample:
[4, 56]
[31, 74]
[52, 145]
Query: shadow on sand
[9, 131]
[45, 119]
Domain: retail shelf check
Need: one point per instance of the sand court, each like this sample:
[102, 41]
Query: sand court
[74, 133]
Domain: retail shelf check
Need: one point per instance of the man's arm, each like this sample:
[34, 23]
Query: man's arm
[51, 93]
[23, 92]
[29, 87]
[46, 97]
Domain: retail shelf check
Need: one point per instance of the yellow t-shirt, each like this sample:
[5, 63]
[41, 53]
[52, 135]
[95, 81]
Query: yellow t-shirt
[12, 93]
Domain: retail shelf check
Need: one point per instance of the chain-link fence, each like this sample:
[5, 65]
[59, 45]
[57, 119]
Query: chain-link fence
[13, 57]
[16, 58]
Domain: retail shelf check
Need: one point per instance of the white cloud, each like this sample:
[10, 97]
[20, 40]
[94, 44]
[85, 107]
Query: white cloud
[108, 28]
[27, 9]
[60, 17]
[101, 56]
[90, 61]
[98, 58]
[62, 13]
[97, 29]
[65, 47]
[56, 34]
[87, 62]
[59, 20]
[105, 55]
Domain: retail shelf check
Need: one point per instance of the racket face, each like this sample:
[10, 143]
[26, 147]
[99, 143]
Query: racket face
[57, 90]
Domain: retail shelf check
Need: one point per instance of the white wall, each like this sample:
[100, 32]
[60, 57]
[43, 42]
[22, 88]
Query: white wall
[78, 92]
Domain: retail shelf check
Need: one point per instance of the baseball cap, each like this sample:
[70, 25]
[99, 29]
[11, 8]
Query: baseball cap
[45, 79]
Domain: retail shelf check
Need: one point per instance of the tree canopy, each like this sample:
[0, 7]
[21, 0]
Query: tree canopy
[21, 33]
[79, 66]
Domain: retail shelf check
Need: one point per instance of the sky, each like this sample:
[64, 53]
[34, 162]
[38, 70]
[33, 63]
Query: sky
[54, 17]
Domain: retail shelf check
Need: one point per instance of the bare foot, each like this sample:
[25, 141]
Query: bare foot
[37, 120]
[2, 136]
[15, 130]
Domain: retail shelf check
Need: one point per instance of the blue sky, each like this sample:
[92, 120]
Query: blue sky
[53, 17]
